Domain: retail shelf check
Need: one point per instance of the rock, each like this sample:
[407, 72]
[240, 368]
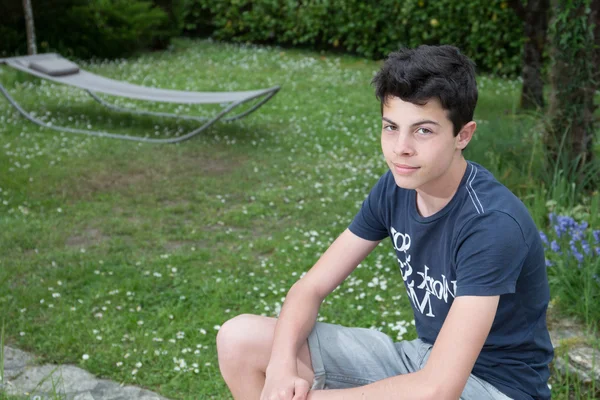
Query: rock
[47, 378]
[84, 396]
[108, 390]
[22, 376]
[574, 352]
[15, 362]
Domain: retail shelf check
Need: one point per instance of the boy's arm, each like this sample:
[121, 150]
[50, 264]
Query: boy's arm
[451, 361]
[301, 306]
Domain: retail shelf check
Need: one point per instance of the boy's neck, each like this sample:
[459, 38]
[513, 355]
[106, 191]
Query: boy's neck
[435, 195]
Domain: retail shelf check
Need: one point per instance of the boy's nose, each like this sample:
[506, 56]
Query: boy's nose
[403, 146]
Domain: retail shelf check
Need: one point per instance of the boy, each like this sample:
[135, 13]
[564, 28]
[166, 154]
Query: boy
[468, 251]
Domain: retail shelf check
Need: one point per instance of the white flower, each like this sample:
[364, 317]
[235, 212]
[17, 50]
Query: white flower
[85, 357]
[138, 365]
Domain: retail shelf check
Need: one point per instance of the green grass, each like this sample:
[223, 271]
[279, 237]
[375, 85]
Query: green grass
[135, 253]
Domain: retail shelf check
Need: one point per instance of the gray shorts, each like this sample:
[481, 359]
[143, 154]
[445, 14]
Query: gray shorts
[349, 357]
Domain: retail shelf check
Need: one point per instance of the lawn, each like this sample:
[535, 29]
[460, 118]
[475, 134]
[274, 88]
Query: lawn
[134, 254]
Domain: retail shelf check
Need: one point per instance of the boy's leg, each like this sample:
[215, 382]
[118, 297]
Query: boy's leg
[244, 348]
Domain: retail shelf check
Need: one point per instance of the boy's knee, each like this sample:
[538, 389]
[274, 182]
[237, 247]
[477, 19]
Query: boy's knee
[233, 334]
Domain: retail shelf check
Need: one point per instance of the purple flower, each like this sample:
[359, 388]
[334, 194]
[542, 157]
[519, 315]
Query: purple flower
[549, 263]
[578, 256]
[559, 231]
[597, 236]
[555, 247]
[566, 224]
[566, 221]
[544, 238]
[597, 250]
[585, 246]
[576, 234]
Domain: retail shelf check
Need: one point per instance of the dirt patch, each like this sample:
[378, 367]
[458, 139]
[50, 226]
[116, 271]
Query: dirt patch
[131, 176]
[87, 238]
[210, 164]
[175, 203]
[178, 244]
[135, 221]
[111, 180]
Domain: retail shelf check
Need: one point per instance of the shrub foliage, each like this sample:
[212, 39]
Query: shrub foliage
[102, 28]
[487, 30]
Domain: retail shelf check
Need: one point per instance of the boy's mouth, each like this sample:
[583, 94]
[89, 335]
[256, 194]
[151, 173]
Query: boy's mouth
[404, 169]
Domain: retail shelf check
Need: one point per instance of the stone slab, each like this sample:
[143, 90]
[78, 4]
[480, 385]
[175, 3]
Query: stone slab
[47, 378]
[15, 362]
[22, 376]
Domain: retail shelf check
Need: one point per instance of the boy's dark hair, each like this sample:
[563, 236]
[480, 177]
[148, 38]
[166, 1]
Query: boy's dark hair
[426, 72]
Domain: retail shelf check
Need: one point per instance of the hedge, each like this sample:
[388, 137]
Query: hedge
[488, 31]
[85, 28]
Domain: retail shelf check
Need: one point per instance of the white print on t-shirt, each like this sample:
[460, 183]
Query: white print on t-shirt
[430, 286]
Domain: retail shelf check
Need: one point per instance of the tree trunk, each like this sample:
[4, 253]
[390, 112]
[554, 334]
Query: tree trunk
[595, 18]
[574, 66]
[31, 47]
[535, 25]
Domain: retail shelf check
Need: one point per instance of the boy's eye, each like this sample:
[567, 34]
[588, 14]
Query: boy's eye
[389, 128]
[424, 131]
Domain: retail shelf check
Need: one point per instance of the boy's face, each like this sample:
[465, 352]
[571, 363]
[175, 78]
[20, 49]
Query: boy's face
[419, 145]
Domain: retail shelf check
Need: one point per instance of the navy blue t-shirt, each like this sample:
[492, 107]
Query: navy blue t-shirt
[482, 243]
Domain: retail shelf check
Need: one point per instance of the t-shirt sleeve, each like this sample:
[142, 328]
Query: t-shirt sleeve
[369, 222]
[490, 253]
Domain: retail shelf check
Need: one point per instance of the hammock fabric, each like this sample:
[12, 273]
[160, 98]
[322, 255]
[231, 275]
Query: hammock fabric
[55, 68]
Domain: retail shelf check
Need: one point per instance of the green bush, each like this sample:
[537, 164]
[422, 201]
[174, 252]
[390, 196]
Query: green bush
[81, 28]
[114, 28]
[173, 25]
[487, 30]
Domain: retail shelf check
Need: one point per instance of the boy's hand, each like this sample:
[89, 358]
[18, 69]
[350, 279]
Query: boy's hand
[284, 387]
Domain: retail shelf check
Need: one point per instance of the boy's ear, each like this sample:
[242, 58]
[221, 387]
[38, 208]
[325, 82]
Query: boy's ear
[465, 135]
